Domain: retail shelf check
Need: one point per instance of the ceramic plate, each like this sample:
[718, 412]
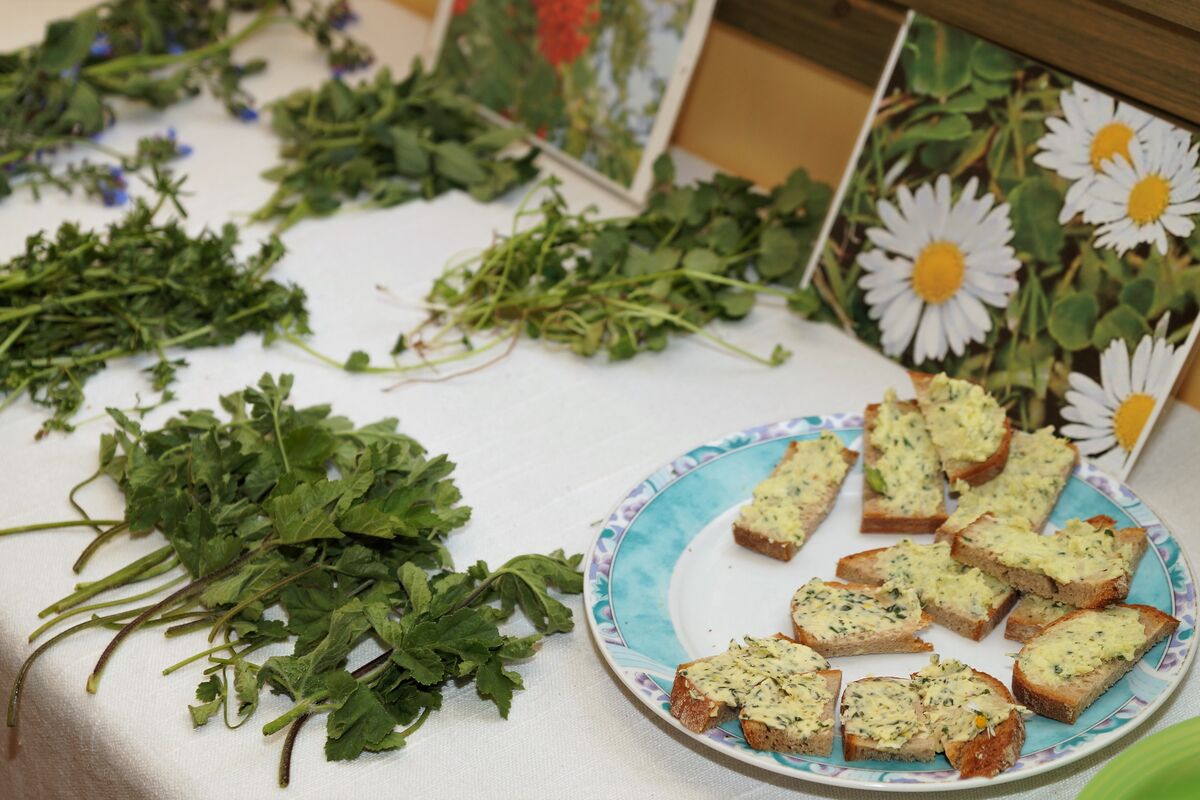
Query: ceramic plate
[665, 584]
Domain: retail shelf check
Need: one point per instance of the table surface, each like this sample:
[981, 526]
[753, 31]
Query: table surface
[545, 441]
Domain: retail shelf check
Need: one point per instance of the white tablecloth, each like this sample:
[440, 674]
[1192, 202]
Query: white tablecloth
[545, 443]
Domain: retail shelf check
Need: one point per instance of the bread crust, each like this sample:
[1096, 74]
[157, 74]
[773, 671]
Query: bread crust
[903, 640]
[696, 712]
[762, 737]
[1081, 594]
[1067, 702]
[876, 521]
[783, 551]
[973, 472]
[862, 567]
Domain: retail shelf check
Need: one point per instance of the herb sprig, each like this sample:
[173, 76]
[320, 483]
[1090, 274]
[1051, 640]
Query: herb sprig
[80, 298]
[339, 528]
[385, 142]
[622, 285]
[58, 93]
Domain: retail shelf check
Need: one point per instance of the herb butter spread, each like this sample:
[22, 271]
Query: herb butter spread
[1028, 487]
[796, 704]
[728, 678]
[940, 580]
[825, 611]
[906, 460]
[782, 503]
[1081, 644]
[1077, 552]
[965, 422]
[960, 705]
[1041, 610]
[887, 710]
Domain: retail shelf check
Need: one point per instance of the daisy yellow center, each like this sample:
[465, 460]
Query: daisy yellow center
[1148, 199]
[938, 272]
[1130, 417]
[1111, 140]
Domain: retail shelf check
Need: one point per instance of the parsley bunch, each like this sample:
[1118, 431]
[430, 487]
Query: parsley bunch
[75, 300]
[621, 286]
[385, 142]
[59, 92]
[295, 527]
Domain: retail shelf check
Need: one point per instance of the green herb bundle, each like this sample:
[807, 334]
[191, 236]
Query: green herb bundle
[621, 286]
[74, 301]
[59, 92]
[339, 528]
[385, 142]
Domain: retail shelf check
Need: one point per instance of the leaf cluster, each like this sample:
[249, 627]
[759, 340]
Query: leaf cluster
[76, 299]
[385, 142]
[59, 92]
[623, 285]
[296, 527]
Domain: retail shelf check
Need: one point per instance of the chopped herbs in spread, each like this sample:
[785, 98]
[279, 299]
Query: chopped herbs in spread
[940, 580]
[965, 422]
[1078, 552]
[806, 477]
[960, 705]
[885, 710]
[906, 462]
[1081, 644]
[826, 611]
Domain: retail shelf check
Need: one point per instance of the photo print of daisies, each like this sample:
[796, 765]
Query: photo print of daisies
[1006, 223]
[598, 82]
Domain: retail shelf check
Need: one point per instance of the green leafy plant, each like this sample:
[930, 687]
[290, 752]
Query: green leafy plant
[387, 142]
[279, 508]
[58, 93]
[80, 298]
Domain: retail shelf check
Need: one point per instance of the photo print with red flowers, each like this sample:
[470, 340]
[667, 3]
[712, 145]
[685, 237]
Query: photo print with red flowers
[598, 83]
[1004, 222]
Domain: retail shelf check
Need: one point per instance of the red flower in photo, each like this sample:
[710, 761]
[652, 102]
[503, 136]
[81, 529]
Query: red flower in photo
[461, 6]
[562, 28]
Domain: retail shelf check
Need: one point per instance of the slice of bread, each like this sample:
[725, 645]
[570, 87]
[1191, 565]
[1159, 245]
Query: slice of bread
[920, 746]
[851, 619]
[968, 547]
[870, 566]
[1031, 614]
[879, 514]
[785, 739]
[992, 751]
[1066, 700]
[751, 529]
[1038, 467]
[973, 472]
[698, 711]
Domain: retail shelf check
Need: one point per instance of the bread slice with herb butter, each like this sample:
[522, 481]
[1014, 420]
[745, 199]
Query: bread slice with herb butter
[883, 719]
[902, 482]
[1083, 565]
[1072, 661]
[707, 691]
[968, 427]
[782, 692]
[851, 619]
[790, 504]
[1038, 467]
[960, 597]
[974, 717]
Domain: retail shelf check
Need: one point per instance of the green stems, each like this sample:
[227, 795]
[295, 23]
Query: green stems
[119, 578]
[49, 526]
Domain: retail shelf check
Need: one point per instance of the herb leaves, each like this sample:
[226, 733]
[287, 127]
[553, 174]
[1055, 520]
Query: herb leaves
[386, 142]
[621, 286]
[77, 299]
[295, 527]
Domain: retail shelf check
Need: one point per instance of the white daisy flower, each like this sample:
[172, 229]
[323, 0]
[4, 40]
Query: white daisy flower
[935, 265]
[1094, 129]
[1107, 419]
[1149, 196]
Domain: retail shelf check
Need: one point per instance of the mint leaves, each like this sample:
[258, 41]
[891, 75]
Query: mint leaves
[297, 528]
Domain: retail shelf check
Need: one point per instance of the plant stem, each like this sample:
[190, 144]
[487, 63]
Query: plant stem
[69, 523]
[231, 613]
[50, 623]
[95, 544]
[111, 581]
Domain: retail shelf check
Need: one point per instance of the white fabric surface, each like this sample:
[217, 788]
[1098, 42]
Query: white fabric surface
[545, 443]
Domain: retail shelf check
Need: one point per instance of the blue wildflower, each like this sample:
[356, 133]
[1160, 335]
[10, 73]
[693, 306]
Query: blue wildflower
[174, 48]
[101, 46]
[247, 114]
[112, 189]
[340, 15]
